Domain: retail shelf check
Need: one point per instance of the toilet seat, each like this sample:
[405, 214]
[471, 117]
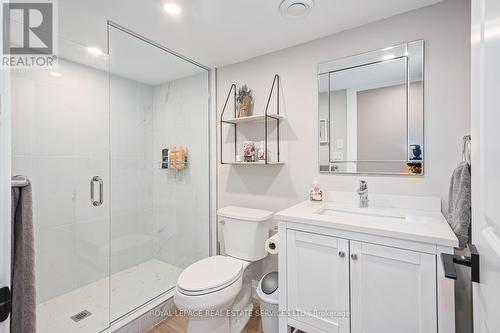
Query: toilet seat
[217, 273]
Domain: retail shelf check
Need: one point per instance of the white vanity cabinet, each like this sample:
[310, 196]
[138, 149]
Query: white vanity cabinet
[318, 279]
[340, 286]
[392, 290]
[370, 271]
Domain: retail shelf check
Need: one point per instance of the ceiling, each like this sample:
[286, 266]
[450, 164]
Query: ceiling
[138, 60]
[221, 32]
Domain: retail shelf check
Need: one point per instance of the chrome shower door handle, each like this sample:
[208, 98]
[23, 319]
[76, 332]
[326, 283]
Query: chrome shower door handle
[94, 202]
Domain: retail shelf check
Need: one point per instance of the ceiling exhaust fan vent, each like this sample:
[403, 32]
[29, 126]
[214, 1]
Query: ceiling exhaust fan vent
[296, 9]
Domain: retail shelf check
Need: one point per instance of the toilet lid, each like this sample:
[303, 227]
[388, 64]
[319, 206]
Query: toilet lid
[210, 274]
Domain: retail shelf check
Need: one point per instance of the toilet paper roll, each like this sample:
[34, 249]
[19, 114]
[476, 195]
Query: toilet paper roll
[272, 244]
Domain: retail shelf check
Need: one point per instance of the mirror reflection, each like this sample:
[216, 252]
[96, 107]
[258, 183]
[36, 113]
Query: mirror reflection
[371, 112]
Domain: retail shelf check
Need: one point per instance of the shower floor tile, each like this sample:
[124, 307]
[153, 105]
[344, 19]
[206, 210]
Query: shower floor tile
[129, 289]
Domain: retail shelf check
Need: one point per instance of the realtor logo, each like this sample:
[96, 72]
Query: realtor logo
[29, 39]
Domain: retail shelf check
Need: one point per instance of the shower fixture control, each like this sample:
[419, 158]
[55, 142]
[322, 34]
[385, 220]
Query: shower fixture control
[174, 158]
[164, 158]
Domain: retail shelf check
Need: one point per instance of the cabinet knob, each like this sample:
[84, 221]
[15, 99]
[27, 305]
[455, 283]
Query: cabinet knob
[341, 254]
[354, 256]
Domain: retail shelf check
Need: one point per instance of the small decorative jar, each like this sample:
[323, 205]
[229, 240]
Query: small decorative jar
[315, 193]
[249, 151]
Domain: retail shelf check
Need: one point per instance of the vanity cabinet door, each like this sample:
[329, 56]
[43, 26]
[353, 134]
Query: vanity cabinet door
[392, 290]
[318, 280]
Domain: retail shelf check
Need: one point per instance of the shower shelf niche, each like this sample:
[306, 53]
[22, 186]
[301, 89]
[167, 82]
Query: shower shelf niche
[258, 119]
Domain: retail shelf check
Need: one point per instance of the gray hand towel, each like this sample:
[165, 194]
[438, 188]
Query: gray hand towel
[459, 204]
[23, 317]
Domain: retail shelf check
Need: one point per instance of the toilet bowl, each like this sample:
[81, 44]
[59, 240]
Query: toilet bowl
[211, 291]
[215, 292]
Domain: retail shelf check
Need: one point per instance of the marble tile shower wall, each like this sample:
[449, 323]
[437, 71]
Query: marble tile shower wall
[181, 200]
[61, 138]
[61, 127]
[132, 224]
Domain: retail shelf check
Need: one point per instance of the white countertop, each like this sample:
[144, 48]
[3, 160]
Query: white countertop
[420, 225]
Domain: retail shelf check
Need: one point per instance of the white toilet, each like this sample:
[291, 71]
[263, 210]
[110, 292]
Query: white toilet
[215, 292]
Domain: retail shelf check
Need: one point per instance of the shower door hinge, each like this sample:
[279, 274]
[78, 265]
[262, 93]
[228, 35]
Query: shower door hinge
[5, 303]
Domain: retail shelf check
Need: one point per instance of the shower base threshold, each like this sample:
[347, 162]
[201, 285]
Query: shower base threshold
[130, 289]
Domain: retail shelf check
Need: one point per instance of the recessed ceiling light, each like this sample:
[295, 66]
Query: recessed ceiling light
[296, 9]
[172, 8]
[94, 51]
[55, 74]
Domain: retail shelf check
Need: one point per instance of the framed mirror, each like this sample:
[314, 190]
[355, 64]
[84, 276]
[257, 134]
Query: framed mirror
[371, 112]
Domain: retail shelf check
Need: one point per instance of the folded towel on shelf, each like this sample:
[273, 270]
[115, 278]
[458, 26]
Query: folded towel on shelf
[459, 204]
[23, 316]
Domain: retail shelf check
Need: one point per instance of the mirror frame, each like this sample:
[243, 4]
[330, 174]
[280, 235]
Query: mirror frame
[369, 58]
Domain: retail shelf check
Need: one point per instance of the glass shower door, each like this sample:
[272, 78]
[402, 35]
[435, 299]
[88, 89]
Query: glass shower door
[160, 163]
[61, 143]
[115, 222]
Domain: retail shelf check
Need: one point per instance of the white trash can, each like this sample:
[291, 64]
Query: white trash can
[268, 295]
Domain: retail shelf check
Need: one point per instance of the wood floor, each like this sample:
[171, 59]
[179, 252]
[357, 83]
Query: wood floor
[178, 324]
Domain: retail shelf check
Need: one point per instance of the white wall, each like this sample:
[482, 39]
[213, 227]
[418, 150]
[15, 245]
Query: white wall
[381, 131]
[445, 29]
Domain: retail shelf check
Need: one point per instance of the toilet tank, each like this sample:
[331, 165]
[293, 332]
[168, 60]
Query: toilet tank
[245, 231]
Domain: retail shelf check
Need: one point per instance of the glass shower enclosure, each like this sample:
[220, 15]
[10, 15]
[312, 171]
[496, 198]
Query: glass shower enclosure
[116, 145]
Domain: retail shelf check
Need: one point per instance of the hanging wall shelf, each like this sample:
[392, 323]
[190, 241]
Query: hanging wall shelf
[249, 119]
[254, 163]
[258, 119]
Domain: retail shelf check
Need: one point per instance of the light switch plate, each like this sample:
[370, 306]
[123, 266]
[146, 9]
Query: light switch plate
[340, 144]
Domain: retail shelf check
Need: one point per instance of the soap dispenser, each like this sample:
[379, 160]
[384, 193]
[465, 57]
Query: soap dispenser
[315, 193]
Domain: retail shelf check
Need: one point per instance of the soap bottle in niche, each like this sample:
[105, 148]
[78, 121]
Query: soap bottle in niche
[315, 193]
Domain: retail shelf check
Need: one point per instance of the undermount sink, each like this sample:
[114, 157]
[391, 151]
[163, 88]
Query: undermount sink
[330, 211]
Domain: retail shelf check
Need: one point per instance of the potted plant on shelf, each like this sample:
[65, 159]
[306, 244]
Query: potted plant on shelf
[245, 101]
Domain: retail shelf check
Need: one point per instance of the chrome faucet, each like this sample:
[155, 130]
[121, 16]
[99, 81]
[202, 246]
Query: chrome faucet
[363, 194]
